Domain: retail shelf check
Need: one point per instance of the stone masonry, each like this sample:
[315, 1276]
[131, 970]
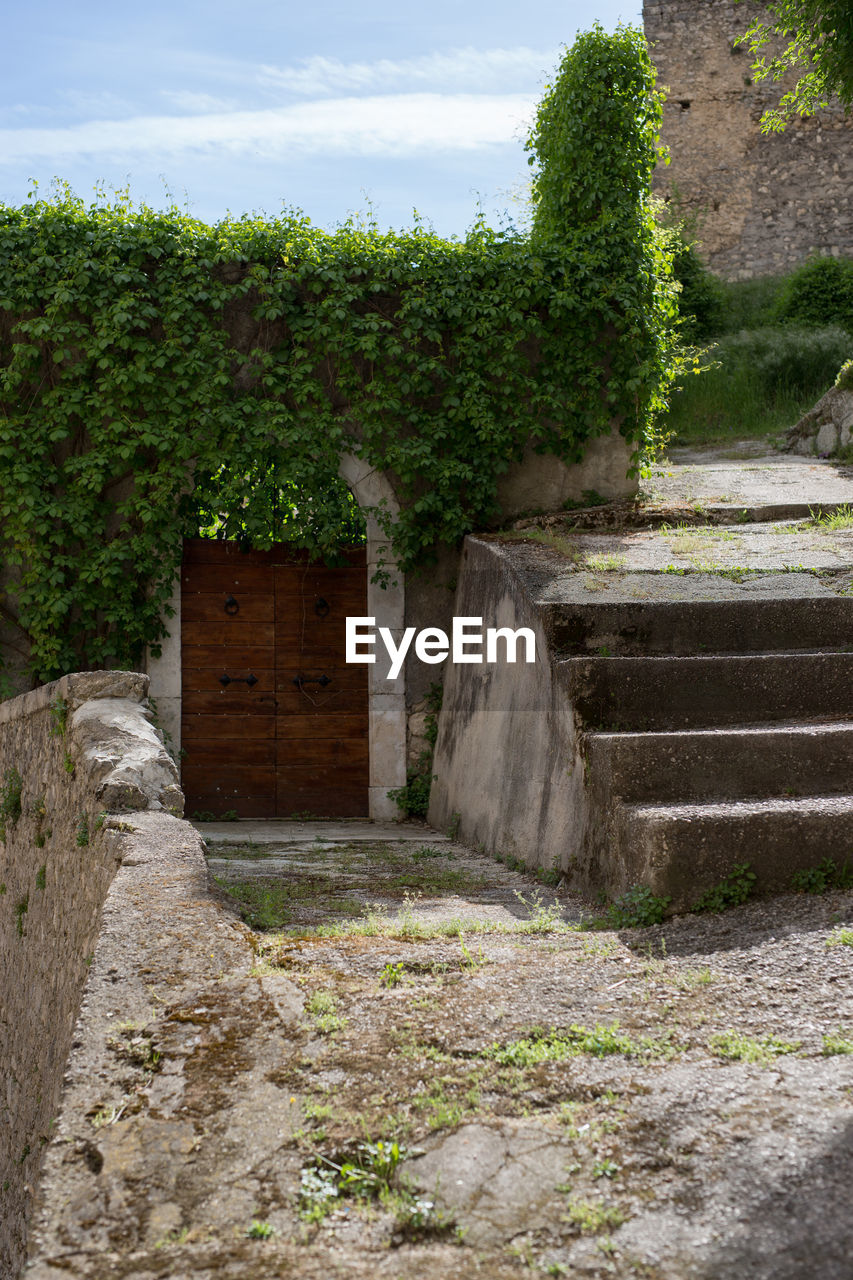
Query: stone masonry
[762, 203]
[71, 754]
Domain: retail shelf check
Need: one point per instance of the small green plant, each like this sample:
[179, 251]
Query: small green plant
[826, 875]
[591, 1217]
[413, 798]
[21, 909]
[844, 378]
[554, 1046]
[731, 892]
[41, 876]
[455, 823]
[10, 799]
[58, 717]
[761, 1050]
[841, 938]
[426, 851]
[637, 907]
[605, 1169]
[840, 518]
[68, 762]
[178, 1236]
[392, 974]
[365, 1175]
[322, 1006]
[260, 1230]
[604, 562]
[203, 815]
[82, 836]
[836, 1044]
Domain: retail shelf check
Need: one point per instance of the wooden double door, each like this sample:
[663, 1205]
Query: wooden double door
[274, 723]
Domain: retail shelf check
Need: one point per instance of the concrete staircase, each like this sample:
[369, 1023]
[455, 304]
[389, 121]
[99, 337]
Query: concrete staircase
[716, 712]
[694, 709]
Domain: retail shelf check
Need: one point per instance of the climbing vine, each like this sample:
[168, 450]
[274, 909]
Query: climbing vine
[158, 376]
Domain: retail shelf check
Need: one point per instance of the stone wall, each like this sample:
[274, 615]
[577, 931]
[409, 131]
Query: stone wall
[509, 776]
[762, 203]
[72, 753]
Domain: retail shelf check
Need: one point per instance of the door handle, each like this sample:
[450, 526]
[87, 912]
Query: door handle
[301, 680]
[249, 680]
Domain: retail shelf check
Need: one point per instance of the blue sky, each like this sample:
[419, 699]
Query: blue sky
[255, 106]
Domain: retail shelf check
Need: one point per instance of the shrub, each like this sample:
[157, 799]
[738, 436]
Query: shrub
[820, 292]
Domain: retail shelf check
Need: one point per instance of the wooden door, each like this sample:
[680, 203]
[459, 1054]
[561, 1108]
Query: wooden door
[274, 723]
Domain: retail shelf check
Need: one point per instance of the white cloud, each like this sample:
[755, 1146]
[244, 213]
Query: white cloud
[463, 70]
[196, 103]
[395, 124]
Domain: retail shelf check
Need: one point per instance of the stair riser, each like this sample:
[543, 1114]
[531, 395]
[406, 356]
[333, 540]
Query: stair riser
[731, 766]
[682, 859]
[696, 627]
[646, 694]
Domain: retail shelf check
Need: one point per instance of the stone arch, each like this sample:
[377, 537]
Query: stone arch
[386, 698]
[386, 603]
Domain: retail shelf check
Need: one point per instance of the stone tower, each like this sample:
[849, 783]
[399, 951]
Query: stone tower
[763, 203]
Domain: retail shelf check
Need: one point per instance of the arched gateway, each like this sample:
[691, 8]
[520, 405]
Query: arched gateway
[252, 687]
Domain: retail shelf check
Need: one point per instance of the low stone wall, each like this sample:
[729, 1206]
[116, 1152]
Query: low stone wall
[827, 429]
[72, 755]
[509, 777]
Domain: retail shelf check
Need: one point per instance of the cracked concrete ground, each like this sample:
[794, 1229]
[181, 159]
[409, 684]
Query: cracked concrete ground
[673, 1101]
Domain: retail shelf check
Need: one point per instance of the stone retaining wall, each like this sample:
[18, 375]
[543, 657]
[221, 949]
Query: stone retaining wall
[72, 755]
[762, 203]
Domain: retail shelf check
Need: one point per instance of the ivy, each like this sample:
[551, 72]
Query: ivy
[159, 376]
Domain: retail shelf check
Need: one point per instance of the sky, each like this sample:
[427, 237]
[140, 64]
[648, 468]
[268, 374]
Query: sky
[253, 106]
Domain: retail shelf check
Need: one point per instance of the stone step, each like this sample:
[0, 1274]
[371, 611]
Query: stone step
[681, 850]
[787, 758]
[619, 694]
[728, 624]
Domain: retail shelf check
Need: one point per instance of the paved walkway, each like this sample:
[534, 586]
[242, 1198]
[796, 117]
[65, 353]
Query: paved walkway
[768, 486]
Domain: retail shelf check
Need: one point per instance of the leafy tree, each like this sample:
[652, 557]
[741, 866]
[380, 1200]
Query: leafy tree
[814, 37]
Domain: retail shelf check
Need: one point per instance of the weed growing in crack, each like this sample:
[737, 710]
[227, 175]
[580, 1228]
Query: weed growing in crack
[322, 1006]
[392, 974]
[591, 1217]
[637, 907]
[840, 938]
[826, 875]
[833, 1045]
[260, 1230]
[554, 1046]
[730, 892]
[368, 1175]
[761, 1050]
[10, 799]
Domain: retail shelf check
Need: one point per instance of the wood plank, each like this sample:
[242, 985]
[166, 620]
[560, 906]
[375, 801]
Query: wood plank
[322, 802]
[213, 551]
[197, 656]
[255, 777]
[209, 606]
[199, 679]
[229, 578]
[325, 724]
[323, 701]
[347, 679]
[245, 807]
[248, 728]
[217, 752]
[233, 702]
[345, 756]
[227, 631]
[328, 776]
